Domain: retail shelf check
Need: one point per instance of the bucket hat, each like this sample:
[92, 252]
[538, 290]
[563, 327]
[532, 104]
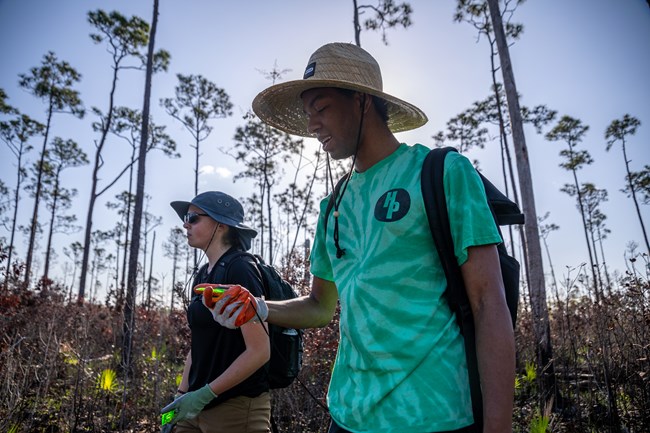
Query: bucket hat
[340, 65]
[223, 209]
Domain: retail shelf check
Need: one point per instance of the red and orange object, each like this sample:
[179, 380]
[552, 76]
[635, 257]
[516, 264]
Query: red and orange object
[236, 293]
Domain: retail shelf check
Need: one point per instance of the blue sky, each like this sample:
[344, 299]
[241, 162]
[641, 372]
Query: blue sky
[585, 58]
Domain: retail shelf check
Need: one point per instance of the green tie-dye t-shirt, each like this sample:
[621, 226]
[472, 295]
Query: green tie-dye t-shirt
[401, 364]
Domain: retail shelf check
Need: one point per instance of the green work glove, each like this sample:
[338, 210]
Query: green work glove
[188, 406]
[168, 425]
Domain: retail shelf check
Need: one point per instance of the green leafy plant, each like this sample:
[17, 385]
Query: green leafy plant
[518, 385]
[539, 424]
[531, 373]
[107, 380]
[154, 354]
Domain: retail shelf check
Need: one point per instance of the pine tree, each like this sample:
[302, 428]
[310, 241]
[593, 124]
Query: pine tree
[62, 154]
[386, 15]
[619, 130]
[16, 134]
[571, 131]
[52, 82]
[125, 39]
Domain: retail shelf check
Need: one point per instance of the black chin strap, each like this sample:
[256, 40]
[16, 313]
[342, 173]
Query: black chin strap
[195, 271]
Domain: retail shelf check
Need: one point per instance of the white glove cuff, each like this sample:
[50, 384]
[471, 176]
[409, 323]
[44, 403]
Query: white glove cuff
[262, 310]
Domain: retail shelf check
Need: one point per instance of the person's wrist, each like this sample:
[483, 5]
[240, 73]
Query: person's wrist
[262, 310]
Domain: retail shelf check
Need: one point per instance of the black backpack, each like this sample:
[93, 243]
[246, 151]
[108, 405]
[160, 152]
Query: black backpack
[505, 212]
[286, 343]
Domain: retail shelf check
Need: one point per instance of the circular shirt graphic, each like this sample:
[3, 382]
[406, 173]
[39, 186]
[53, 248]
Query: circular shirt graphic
[393, 205]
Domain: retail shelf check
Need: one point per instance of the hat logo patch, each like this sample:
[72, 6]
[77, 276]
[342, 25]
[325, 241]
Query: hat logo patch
[310, 70]
[393, 205]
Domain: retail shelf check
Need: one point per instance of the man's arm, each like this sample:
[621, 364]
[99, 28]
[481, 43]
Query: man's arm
[495, 346]
[312, 311]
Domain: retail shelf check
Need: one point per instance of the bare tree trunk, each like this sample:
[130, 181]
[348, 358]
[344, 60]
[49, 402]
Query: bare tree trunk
[304, 209]
[144, 260]
[633, 192]
[262, 236]
[153, 245]
[550, 264]
[14, 221]
[48, 249]
[93, 190]
[306, 275]
[188, 274]
[602, 254]
[596, 266]
[506, 159]
[270, 216]
[196, 184]
[537, 287]
[129, 308]
[357, 26]
[174, 267]
[127, 226]
[117, 272]
[37, 197]
[581, 207]
[128, 326]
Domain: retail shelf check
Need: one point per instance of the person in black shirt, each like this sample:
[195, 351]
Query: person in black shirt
[224, 387]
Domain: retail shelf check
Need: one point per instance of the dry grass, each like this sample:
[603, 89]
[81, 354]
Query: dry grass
[54, 355]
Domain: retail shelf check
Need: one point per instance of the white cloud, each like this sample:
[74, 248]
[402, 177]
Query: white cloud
[223, 172]
[209, 170]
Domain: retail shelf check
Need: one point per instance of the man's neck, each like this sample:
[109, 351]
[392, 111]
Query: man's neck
[373, 150]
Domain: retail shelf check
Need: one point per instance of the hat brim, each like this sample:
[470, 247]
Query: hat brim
[281, 107]
[181, 208]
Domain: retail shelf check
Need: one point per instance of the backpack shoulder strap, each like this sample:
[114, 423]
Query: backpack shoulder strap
[433, 194]
[223, 265]
[200, 275]
[435, 204]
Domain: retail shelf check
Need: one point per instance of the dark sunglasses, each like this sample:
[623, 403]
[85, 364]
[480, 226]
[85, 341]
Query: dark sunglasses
[192, 217]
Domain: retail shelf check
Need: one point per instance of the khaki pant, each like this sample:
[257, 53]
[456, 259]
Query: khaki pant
[236, 415]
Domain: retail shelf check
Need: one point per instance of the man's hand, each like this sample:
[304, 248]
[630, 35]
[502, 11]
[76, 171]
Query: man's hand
[237, 306]
[187, 406]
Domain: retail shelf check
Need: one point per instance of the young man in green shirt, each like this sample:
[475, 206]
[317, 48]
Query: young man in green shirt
[401, 363]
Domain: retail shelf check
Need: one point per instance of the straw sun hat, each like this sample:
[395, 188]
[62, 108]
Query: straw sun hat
[341, 65]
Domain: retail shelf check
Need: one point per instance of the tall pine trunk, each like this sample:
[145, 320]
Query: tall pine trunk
[174, 268]
[14, 222]
[357, 25]
[128, 327]
[48, 249]
[634, 199]
[37, 198]
[535, 267]
[153, 246]
[581, 207]
[127, 219]
[93, 190]
[270, 216]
